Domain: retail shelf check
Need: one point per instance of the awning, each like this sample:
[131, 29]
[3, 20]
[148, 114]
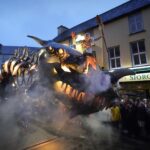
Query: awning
[141, 69]
[142, 74]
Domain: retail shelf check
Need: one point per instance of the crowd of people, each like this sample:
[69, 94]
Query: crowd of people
[132, 117]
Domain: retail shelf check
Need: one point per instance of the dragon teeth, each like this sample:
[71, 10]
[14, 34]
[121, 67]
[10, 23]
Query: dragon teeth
[76, 94]
[79, 98]
[58, 86]
[73, 93]
[83, 95]
[64, 86]
[69, 91]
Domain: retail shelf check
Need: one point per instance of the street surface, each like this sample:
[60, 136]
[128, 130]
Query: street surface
[81, 133]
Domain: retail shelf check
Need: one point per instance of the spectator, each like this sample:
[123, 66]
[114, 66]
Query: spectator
[116, 116]
[147, 123]
[133, 129]
[124, 115]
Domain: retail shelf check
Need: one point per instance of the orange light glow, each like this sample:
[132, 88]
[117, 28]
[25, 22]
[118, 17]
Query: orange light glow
[58, 86]
[90, 61]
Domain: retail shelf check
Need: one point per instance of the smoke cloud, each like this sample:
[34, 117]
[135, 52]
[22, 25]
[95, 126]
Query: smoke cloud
[98, 81]
[27, 118]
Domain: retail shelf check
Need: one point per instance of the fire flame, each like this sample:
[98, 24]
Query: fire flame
[90, 61]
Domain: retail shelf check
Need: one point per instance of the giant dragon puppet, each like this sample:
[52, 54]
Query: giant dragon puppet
[64, 69]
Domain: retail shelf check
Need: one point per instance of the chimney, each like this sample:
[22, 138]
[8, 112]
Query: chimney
[1, 48]
[61, 29]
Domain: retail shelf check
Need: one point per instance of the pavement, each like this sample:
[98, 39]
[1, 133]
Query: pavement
[86, 133]
[80, 133]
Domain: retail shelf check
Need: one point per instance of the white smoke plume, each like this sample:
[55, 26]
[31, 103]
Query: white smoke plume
[29, 117]
[98, 81]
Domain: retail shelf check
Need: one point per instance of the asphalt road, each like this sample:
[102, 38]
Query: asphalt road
[81, 133]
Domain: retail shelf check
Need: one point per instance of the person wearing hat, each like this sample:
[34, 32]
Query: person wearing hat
[87, 44]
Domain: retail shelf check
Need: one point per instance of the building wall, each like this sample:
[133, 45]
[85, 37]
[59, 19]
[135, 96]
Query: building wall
[117, 33]
[146, 16]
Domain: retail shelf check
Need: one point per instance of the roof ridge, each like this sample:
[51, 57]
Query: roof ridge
[101, 14]
[106, 16]
[129, 1]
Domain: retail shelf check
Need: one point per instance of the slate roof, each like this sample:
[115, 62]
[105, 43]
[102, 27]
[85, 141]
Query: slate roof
[115, 13]
[9, 50]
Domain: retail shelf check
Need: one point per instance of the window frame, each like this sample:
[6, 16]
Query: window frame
[115, 57]
[132, 19]
[138, 53]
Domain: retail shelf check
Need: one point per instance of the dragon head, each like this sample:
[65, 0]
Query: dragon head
[85, 91]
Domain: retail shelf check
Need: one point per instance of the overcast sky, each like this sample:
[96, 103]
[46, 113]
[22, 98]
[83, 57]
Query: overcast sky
[41, 18]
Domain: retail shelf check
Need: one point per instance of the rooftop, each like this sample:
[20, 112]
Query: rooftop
[115, 13]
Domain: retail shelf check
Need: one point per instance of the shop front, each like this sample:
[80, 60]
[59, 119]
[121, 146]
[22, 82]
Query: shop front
[137, 85]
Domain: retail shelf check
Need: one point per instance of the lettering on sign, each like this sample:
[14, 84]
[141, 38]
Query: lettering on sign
[137, 77]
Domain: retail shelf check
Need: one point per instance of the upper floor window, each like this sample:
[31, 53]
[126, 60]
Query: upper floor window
[135, 23]
[138, 52]
[114, 57]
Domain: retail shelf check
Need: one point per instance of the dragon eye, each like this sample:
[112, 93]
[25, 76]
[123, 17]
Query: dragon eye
[60, 51]
[51, 49]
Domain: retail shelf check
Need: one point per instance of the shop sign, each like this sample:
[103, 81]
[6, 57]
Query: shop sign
[137, 77]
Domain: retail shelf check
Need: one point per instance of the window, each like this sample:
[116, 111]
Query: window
[138, 52]
[114, 57]
[135, 23]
